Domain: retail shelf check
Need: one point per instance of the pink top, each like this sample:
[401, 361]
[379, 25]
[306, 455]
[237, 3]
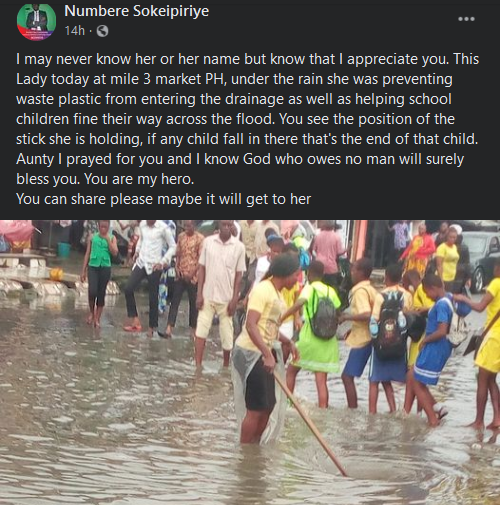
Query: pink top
[328, 247]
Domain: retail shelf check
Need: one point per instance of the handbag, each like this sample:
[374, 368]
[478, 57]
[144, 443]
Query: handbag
[459, 329]
[477, 340]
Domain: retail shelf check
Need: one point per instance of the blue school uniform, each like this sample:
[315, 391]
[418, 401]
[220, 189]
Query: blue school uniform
[433, 356]
[389, 370]
[357, 360]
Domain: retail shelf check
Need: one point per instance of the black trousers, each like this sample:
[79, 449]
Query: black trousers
[192, 289]
[98, 282]
[136, 277]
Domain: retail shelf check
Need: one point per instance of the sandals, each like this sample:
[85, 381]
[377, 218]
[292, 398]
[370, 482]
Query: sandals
[441, 413]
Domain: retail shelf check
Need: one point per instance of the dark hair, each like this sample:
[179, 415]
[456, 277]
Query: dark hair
[316, 268]
[394, 273]
[432, 281]
[104, 221]
[412, 276]
[269, 232]
[283, 265]
[290, 247]
[365, 266]
[497, 262]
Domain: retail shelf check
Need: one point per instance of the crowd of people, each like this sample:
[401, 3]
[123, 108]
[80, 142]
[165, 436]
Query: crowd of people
[287, 292]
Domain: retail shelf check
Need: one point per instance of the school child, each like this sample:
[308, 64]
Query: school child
[359, 339]
[318, 354]
[488, 357]
[275, 245]
[421, 306]
[389, 331]
[435, 349]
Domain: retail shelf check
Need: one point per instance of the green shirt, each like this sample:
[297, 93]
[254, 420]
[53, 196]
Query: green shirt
[322, 291]
[100, 255]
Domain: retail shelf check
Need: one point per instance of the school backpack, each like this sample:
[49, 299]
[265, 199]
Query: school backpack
[459, 329]
[323, 321]
[304, 257]
[390, 341]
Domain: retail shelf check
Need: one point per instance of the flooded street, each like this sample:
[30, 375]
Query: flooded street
[112, 418]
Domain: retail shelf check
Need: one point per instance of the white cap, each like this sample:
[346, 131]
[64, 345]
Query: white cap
[458, 228]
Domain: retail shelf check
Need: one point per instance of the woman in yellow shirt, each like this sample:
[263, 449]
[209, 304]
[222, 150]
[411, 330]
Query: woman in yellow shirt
[447, 257]
[257, 351]
[488, 357]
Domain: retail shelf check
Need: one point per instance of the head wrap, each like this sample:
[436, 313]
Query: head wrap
[284, 265]
[457, 228]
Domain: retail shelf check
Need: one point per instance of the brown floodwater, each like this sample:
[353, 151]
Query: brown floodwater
[112, 418]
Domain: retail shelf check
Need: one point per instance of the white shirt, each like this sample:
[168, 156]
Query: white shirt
[222, 261]
[263, 265]
[152, 241]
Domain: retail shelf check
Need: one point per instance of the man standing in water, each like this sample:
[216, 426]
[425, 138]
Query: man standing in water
[149, 262]
[222, 264]
[187, 256]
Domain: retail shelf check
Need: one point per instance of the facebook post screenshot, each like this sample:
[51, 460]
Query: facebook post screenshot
[157, 361]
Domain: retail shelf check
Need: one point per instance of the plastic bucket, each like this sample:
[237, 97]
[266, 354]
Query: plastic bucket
[63, 249]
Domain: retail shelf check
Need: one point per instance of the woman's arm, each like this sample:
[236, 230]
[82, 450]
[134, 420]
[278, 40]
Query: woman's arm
[253, 318]
[428, 247]
[406, 252]
[477, 306]
[286, 342]
[113, 245]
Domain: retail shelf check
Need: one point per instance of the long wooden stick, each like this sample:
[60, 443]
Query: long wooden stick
[309, 423]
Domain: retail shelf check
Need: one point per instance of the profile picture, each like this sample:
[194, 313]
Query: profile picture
[36, 21]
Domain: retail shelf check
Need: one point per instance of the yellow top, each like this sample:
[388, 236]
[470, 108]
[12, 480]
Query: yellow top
[379, 300]
[421, 300]
[269, 303]
[363, 297]
[290, 295]
[450, 260]
[494, 306]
